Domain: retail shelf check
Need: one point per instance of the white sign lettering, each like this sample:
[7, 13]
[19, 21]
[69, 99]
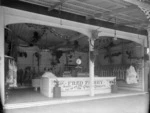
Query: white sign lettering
[71, 85]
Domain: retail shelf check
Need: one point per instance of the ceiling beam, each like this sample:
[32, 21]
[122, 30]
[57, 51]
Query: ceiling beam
[56, 5]
[66, 15]
[132, 23]
[139, 3]
[123, 10]
[88, 16]
[116, 11]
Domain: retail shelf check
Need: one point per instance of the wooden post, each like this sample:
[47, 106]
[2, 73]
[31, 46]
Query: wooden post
[2, 77]
[148, 31]
[144, 70]
[91, 66]
[146, 77]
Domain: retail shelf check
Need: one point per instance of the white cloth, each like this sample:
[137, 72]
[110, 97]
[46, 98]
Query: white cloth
[131, 75]
[49, 75]
[12, 74]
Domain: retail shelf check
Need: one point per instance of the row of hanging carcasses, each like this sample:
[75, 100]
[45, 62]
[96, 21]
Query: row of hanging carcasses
[10, 72]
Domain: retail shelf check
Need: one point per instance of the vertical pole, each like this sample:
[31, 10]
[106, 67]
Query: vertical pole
[144, 70]
[146, 77]
[91, 66]
[148, 31]
[2, 78]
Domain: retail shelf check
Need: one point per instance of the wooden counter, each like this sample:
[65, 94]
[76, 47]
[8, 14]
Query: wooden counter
[76, 86]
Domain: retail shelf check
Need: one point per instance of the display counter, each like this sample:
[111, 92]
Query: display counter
[76, 86]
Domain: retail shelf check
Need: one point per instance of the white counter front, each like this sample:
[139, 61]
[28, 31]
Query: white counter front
[76, 86]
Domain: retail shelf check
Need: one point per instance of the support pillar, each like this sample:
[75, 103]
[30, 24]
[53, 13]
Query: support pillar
[147, 67]
[2, 78]
[145, 72]
[91, 66]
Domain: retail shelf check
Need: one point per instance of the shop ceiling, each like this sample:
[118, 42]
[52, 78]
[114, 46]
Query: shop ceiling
[53, 38]
[116, 14]
[45, 37]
